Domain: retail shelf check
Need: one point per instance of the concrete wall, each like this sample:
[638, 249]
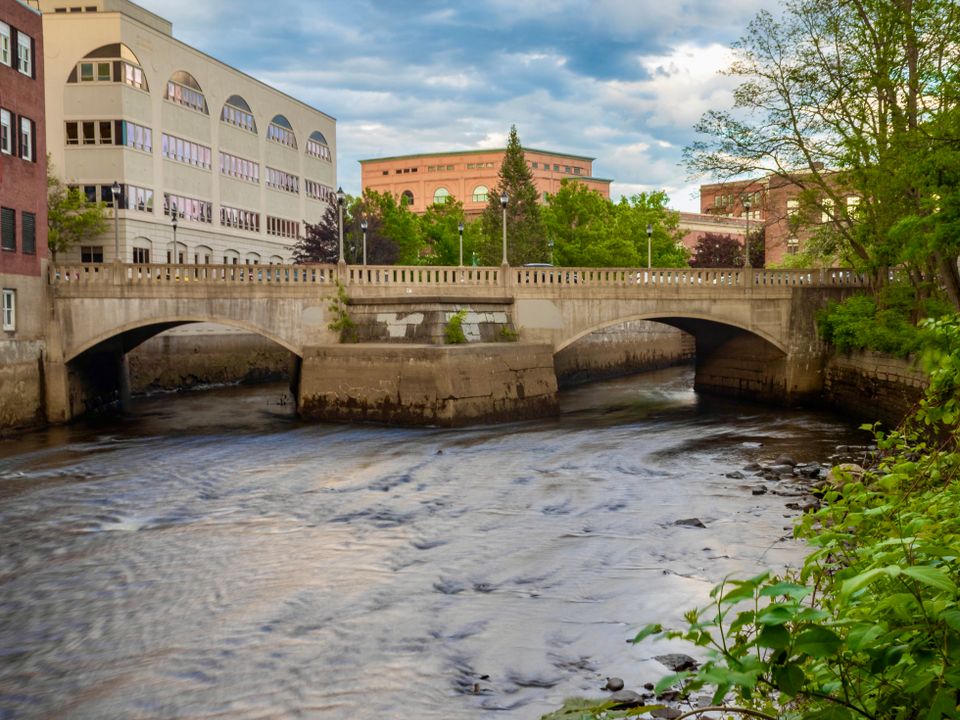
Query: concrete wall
[871, 386]
[196, 356]
[21, 355]
[390, 322]
[449, 386]
[621, 349]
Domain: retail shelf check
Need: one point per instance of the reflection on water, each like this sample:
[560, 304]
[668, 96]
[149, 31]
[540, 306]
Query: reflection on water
[210, 556]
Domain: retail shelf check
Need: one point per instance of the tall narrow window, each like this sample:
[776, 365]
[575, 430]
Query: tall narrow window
[9, 309]
[6, 132]
[4, 43]
[26, 138]
[8, 229]
[28, 233]
[25, 53]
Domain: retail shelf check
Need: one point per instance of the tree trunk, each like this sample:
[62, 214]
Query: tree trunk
[949, 276]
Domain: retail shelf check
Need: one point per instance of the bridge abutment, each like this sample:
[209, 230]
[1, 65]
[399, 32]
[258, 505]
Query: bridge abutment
[447, 386]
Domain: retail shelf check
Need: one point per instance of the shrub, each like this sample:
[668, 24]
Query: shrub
[453, 331]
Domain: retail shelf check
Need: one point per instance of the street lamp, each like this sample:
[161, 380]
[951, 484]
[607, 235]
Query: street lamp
[363, 226]
[340, 198]
[746, 241]
[460, 230]
[649, 246]
[173, 223]
[504, 199]
[115, 190]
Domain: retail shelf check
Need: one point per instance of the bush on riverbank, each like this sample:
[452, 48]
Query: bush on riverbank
[869, 627]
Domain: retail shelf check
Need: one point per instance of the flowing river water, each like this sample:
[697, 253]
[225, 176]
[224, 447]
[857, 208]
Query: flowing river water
[209, 556]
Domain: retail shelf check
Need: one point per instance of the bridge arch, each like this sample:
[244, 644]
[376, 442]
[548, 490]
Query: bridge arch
[168, 322]
[662, 316]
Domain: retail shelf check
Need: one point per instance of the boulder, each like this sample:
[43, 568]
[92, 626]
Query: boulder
[678, 662]
[690, 522]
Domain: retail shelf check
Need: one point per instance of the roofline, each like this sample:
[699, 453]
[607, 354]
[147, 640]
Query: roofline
[201, 52]
[29, 7]
[474, 152]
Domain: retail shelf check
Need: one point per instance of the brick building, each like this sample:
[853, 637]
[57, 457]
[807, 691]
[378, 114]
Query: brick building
[23, 209]
[470, 175]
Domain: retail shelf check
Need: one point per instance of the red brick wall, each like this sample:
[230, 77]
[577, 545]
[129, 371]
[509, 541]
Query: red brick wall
[23, 184]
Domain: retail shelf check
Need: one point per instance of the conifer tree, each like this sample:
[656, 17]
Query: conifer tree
[526, 240]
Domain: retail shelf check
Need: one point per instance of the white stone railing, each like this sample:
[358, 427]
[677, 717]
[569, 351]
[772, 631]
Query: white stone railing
[446, 276]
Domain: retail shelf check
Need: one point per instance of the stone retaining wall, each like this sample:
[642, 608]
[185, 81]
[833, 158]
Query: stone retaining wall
[872, 386]
[21, 384]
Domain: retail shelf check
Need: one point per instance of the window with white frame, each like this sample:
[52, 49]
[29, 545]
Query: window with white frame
[26, 138]
[24, 53]
[480, 193]
[4, 43]
[9, 309]
[827, 214]
[239, 167]
[281, 180]
[440, 195]
[6, 132]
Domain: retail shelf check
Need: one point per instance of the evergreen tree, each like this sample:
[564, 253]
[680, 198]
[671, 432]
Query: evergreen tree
[526, 240]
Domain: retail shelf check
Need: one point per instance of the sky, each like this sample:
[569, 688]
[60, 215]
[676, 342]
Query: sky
[622, 81]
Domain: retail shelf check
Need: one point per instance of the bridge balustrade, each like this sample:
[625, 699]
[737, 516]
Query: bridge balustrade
[447, 276]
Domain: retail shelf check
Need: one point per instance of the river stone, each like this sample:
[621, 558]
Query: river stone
[759, 490]
[677, 662]
[844, 473]
[691, 522]
[752, 467]
[668, 713]
[614, 683]
[735, 475]
[782, 469]
[626, 698]
[785, 460]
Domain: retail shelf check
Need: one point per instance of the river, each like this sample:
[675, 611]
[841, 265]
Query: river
[209, 556]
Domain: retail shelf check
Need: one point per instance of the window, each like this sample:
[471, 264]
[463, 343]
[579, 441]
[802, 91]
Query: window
[440, 195]
[317, 146]
[91, 253]
[188, 208]
[237, 112]
[9, 309]
[556, 168]
[136, 198]
[827, 214]
[183, 89]
[280, 180]
[480, 193]
[281, 131]
[184, 151]
[6, 132]
[793, 208]
[25, 53]
[28, 233]
[853, 207]
[26, 138]
[240, 219]
[141, 255]
[136, 136]
[4, 43]
[8, 229]
[317, 191]
[793, 246]
[576, 171]
[282, 227]
[535, 165]
[408, 196]
[240, 168]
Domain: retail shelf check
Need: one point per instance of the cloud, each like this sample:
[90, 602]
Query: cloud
[619, 80]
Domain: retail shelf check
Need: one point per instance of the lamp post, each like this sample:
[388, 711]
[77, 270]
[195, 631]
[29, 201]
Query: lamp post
[173, 223]
[649, 246]
[115, 191]
[746, 240]
[363, 226]
[340, 197]
[550, 245]
[504, 199]
[460, 230]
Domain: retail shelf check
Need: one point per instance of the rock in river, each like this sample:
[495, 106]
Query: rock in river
[677, 662]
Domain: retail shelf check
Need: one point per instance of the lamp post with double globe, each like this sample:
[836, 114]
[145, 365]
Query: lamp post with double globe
[504, 199]
[340, 199]
[115, 191]
[460, 230]
[363, 227]
[649, 246]
[746, 241]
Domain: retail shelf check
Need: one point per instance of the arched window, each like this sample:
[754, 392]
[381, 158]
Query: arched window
[202, 255]
[280, 130]
[110, 63]
[237, 112]
[317, 146]
[183, 89]
[276, 260]
[480, 193]
[407, 195]
[440, 195]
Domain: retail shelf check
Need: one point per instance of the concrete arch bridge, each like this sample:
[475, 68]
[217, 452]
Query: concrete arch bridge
[754, 330]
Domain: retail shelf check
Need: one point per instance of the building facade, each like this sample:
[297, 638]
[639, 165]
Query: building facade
[23, 212]
[470, 176]
[139, 119]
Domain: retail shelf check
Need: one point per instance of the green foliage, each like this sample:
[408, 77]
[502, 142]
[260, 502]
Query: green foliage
[71, 219]
[884, 322]
[453, 330]
[584, 709]
[526, 239]
[508, 334]
[342, 323]
[870, 625]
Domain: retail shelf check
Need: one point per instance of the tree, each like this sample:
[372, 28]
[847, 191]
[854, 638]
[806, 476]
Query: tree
[581, 223]
[381, 248]
[635, 213]
[320, 242]
[526, 240]
[70, 218]
[846, 99]
[714, 250]
[439, 231]
[396, 223]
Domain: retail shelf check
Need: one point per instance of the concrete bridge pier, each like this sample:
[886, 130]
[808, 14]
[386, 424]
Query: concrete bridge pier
[445, 385]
